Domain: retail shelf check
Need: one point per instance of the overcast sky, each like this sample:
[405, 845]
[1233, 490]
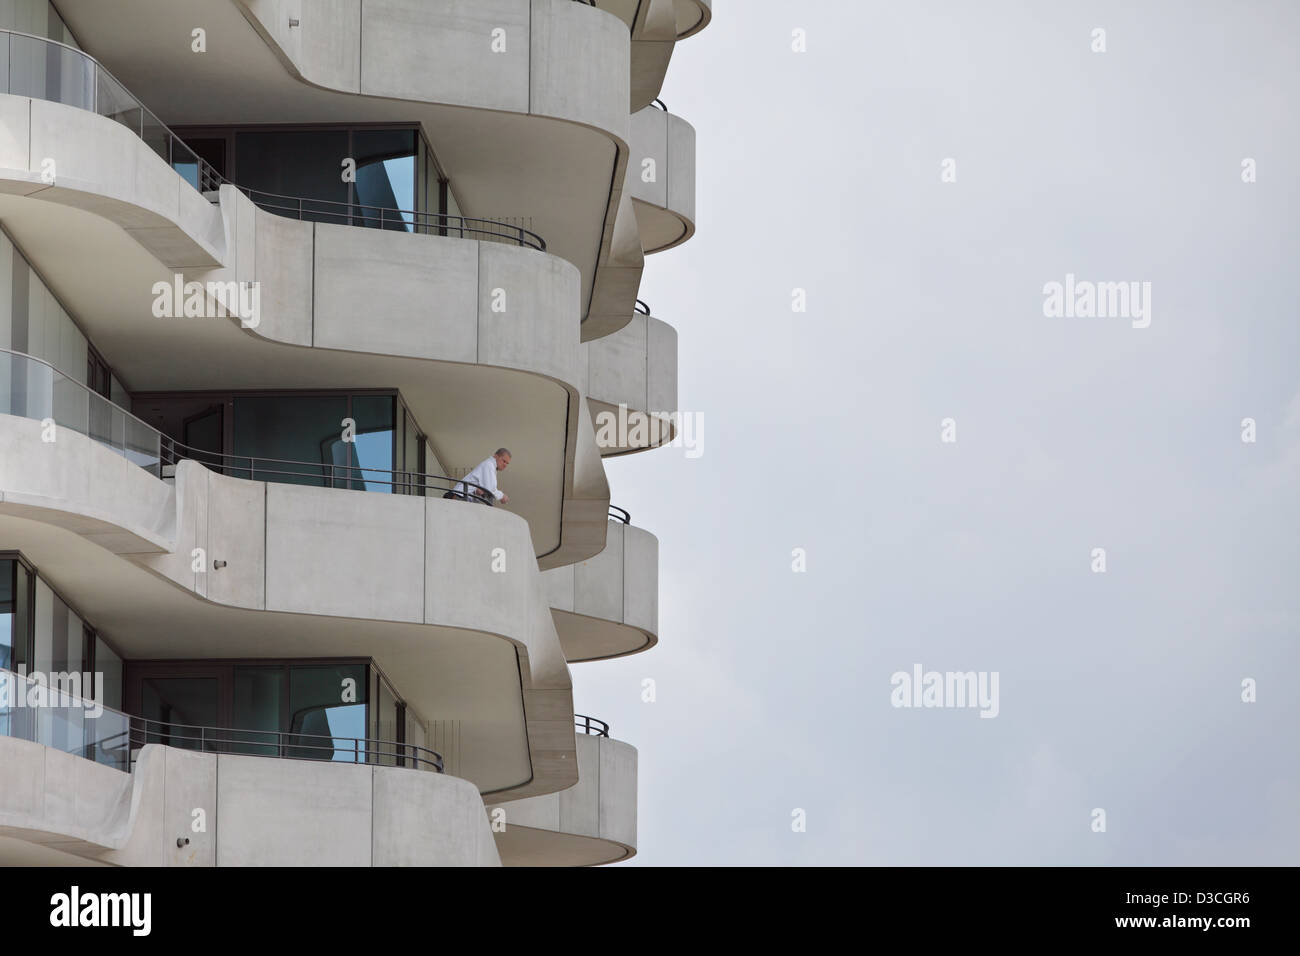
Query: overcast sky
[1119, 690]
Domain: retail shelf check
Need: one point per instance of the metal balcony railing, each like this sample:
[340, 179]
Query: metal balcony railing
[590, 725]
[73, 724]
[39, 391]
[380, 217]
[49, 70]
[284, 745]
[620, 514]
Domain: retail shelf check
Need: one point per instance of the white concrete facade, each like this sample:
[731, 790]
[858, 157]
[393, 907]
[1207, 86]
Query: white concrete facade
[436, 297]
[547, 78]
[608, 606]
[180, 808]
[589, 824]
[632, 378]
[538, 113]
[661, 178]
[99, 525]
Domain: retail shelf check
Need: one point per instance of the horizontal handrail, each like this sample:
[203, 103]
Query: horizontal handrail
[174, 452]
[156, 449]
[37, 360]
[288, 744]
[380, 217]
[590, 725]
[620, 514]
[102, 93]
[642, 307]
[66, 715]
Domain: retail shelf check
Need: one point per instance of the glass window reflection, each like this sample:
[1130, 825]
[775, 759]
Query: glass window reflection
[327, 701]
[291, 428]
[374, 442]
[385, 177]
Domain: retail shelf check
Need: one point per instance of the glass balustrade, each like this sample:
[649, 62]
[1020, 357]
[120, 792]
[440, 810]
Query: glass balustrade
[29, 388]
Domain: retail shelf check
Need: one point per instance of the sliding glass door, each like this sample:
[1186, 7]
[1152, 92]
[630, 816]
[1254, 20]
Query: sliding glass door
[302, 709]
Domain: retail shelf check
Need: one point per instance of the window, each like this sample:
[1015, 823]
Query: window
[412, 448]
[373, 447]
[311, 710]
[15, 637]
[15, 614]
[385, 721]
[328, 701]
[209, 150]
[259, 698]
[296, 438]
[108, 662]
[296, 171]
[386, 177]
[179, 707]
[295, 164]
[60, 636]
[293, 428]
[42, 633]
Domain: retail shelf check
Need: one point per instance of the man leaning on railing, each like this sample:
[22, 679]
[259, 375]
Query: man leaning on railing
[481, 482]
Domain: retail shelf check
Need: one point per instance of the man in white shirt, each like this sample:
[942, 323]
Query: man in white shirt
[484, 475]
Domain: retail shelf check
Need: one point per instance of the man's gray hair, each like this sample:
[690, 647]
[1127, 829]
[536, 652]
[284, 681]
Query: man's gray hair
[502, 451]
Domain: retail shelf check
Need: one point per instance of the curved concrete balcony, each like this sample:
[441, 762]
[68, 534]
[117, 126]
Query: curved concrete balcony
[340, 306]
[59, 808]
[620, 276]
[631, 385]
[525, 102]
[661, 178]
[608, 606]
[443, 593]
[653, 27]
[589, 824]
[692, 16]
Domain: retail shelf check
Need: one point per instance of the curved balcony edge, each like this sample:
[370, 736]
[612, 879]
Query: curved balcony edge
[653, 28]
[661, 178]
[550, 49]
[573, 65]
[622, 264]
[105, 528]
[572, 53]
[316, 279]
[590, 824]
[608, 606]
[60, 808]
[121, 179]
[692, 16]
[631, 386]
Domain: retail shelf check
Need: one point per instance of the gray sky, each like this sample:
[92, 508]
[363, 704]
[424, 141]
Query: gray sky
[821, 430]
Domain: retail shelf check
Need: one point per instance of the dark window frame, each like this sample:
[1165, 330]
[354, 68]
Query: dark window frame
[90, 633]
[422, 148]
[29, 638]
[135, 671]
[226, 399]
